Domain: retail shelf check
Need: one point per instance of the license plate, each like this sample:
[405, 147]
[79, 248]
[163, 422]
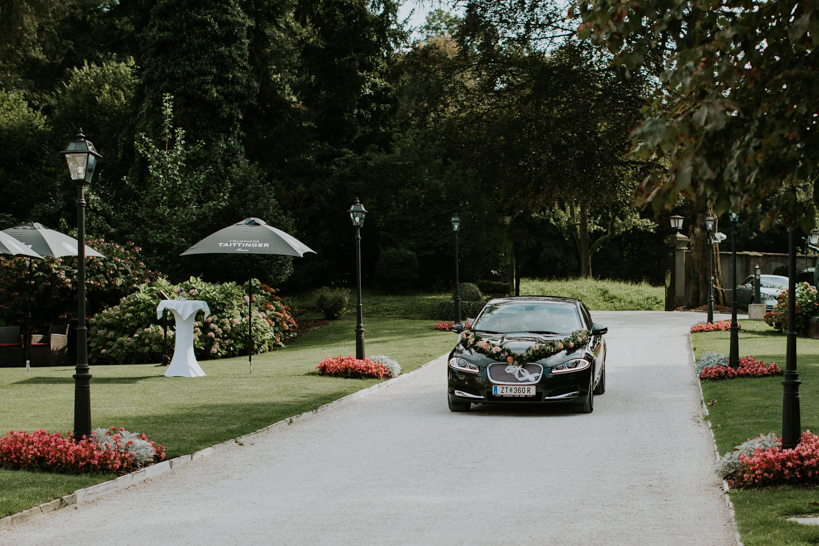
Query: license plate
[513, 390]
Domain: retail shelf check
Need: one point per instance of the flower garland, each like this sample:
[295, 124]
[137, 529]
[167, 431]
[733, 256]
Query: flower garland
[471, 341]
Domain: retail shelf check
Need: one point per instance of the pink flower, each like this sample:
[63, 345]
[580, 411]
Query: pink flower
[247, 299]
[102, 352]
[211, 335]
[213, 350]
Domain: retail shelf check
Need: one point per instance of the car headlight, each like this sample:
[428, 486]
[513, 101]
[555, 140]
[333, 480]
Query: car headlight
[463, 365]
[571, 366]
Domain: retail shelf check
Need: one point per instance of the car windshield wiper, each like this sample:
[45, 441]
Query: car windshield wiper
[489, 332]
[543, 332]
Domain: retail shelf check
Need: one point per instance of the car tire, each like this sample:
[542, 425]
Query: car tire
[458, 406]
[601, 385]
[587, 405]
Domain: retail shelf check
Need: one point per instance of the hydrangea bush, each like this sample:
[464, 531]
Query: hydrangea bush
[130, 333]
[114, 450]
[52, 294]
[807, 305]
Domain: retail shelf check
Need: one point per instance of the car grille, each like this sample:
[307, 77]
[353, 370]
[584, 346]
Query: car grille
[510, 374]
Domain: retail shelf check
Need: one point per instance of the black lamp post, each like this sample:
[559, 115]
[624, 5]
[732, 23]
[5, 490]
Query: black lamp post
[733, 356]
[82, 160]
[791, 419]
[456, 225]
[709, 227]
[357, 214]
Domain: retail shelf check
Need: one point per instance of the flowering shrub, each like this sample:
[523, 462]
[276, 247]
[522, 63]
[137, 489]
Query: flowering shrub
[353, 368]
[748, 367]
[729, 465]
[770, 465]
[709, 360]
[719, 326]
[807, 304]
[114, 450]
[393, 367]
[53, 289]
[130, 332]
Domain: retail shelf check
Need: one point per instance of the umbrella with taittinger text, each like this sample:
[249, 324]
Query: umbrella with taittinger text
[250, 236]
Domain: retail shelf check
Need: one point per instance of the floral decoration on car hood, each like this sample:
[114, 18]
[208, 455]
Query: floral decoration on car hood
[471, 341]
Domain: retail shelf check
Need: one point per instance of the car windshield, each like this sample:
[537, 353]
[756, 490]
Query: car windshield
[534, 317]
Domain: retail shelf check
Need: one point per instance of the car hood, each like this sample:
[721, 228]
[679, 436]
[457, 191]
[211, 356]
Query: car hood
[518, 343]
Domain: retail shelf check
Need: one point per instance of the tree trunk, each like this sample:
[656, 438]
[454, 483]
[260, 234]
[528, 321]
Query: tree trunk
[699, 257]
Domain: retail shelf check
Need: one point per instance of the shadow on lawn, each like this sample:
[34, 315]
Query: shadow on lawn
[97, 380]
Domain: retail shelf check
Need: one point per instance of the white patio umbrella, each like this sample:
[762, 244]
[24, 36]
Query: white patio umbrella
[250, 236]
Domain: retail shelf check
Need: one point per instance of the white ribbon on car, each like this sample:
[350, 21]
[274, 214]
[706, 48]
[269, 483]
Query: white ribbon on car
[522, 374]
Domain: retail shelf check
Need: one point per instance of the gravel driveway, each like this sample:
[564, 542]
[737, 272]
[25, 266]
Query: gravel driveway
[396, 467]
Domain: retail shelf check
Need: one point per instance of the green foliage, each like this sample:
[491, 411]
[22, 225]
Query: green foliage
[469, 309]
[24, 136]
[51, 292]
[332, 302]
[495, 288]
[396, 270]
[129, 333]
[469, 292]
[722, 126]
[807, 305]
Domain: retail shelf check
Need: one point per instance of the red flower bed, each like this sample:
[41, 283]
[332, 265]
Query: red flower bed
[778, 466]
[720, 326]
[445, 325]
[41, 450]
[748, 367]
[347, 366]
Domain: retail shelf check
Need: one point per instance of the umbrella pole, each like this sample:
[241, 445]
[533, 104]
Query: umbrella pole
[27, 346]
[250, 325]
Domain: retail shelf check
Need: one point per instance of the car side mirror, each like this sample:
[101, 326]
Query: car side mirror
[458, 327]
[599, 329]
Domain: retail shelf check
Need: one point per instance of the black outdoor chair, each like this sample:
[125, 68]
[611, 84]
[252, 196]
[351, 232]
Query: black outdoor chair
[50, 349]
[12, 352]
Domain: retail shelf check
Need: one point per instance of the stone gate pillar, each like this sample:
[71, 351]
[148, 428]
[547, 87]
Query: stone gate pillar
[675, 271]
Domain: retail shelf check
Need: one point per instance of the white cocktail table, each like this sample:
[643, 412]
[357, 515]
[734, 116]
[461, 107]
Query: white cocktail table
[184, 362]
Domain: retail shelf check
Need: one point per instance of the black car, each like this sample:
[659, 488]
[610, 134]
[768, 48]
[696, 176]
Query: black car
[529, 349]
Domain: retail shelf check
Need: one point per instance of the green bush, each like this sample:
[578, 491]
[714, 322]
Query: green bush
[469, 309]
[53, 288]
[396, 270]
[807, 304]
[469, 292]
[495, 287]
[332, 302]
[129, 333]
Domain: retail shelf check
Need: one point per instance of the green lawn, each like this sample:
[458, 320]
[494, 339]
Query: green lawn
[748, 407]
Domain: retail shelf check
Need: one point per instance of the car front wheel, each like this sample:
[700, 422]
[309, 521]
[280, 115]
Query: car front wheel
[457, 406]
[587, 405]
[601, 385]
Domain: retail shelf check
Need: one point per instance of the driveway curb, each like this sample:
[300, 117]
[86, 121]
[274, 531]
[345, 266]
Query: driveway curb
[96, 491]
[725, 487]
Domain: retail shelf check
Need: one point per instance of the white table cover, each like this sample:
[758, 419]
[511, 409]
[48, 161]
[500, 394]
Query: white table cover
[184, 362]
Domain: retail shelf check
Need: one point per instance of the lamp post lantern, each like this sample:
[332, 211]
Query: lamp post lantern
[81, 158]
[709, 227]
[733, 356]
[456, 226]
[357, 215]
[677, 222]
